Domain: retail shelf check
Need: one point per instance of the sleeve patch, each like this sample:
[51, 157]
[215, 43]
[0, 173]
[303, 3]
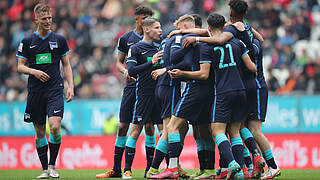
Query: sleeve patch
[20, 47]
[178, 39]
[129, 53]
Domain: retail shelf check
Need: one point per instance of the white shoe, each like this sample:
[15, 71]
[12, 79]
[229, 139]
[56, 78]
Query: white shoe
[44, 175]
[271, 173]
[127, 175]
[52, 171]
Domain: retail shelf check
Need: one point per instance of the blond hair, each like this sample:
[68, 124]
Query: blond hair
[185, 19]
[41, 8]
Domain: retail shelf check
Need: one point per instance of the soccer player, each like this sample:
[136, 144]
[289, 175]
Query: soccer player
[238, 9]
[129, 96]
[39, 56]
[230, 98]
[142, 59]
[193, 106]
[255, 125]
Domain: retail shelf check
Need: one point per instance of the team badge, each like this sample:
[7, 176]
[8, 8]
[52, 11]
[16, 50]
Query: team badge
[53, 45]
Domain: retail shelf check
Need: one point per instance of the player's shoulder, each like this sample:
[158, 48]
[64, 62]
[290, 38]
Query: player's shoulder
[27, 38]
[58, 36]
[236, 42]
[126, 35]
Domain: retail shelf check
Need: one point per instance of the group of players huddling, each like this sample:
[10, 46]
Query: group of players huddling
[225, 94]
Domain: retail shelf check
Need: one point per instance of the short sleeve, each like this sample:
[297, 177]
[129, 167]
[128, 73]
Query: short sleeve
[22, 49]
[206, 55]
[243, 48]
[64, 46]
[122, 46]
[132, 55]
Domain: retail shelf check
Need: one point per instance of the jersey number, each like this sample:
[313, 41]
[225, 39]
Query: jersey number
[232, 63]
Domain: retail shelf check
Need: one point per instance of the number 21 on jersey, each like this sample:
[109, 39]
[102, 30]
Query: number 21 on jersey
[221, 64]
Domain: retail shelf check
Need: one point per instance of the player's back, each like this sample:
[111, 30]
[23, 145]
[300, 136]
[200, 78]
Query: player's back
[226, 61]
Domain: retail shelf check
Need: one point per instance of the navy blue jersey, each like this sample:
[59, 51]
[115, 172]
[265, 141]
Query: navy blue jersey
[225, 62]
[246, 37]
[165, 80]
[125, 42]
[139, 64]
[261, 82]
[44, 53]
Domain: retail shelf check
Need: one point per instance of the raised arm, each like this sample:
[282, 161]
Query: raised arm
[223, 38]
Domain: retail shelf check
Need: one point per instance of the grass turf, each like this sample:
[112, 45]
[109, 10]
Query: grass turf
[137, 174]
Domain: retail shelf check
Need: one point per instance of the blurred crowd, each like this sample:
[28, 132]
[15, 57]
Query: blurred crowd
[291, 29]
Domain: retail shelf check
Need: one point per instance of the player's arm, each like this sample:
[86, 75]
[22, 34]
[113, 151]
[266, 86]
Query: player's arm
[199, 31]
[223, 38]
[250, 65]
[23, 68]
[257, 35]
[68, 75]
[177, 53]
[134, 69]
[202, 74]
[121, 67]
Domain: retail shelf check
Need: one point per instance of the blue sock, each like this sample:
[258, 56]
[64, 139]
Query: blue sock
[161, 151]
[42, 149]
[54, 146]
[150, 146]
[268, 156]
[249, 141]
[224, 148]
[237, 150]
[118, 152]
[130, 151]
[174, 145]
[247, 158]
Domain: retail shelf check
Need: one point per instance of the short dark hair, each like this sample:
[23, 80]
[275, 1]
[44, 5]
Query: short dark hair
[216, 21]
[149, 21]
[143, 10]
[239, 7]
[197, 20]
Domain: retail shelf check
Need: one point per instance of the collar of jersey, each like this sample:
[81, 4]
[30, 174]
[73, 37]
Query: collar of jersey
[134, 31]
[43, 38]
[146, 43]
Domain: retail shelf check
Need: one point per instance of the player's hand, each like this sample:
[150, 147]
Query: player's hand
[157, 57]
[129, 78]
[175, 73]
[42, 76]
[70, 94]
[239, 26]
[159, 72]
[174, 32]
[187, 41]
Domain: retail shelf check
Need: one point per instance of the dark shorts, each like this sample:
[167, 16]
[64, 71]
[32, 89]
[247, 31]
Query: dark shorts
[261, 104]
[167, 98]
[194, 104]
[251, 94]
[230, 107]
[145, 110]
[43, 104]
[127, 104]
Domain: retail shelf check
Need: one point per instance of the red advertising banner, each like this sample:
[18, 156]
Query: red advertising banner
[300, 151]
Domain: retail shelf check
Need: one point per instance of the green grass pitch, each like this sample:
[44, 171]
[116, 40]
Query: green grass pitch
[137, 174]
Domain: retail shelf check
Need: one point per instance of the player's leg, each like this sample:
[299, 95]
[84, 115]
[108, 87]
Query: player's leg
[130, 149]
[218, 130]
[54, 143]
[200, 151]
[161, 150]
[149, 144]
[42, 149]
[209, 151]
